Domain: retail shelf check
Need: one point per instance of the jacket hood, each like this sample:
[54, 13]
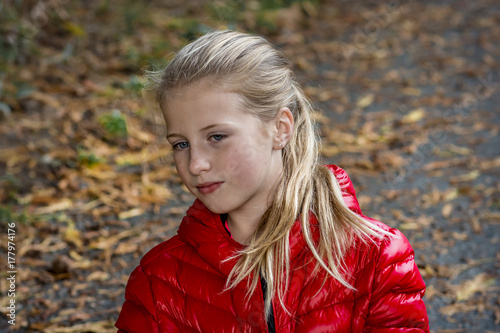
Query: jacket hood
[204, 230]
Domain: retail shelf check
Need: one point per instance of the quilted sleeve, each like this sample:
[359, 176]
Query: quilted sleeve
[138, 313]
[396, 303]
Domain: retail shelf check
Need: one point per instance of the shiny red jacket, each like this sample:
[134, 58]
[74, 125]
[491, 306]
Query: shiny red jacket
[178, 286]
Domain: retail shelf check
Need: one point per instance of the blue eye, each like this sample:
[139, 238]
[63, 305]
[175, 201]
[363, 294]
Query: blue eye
[181, 145]
[217, 137]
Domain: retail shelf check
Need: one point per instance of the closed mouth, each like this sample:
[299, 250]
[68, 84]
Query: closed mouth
[206, 188]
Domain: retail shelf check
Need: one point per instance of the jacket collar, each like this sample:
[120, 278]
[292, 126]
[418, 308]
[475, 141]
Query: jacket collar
[204, 231]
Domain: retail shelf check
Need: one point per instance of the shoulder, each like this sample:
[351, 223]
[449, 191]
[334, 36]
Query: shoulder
[163, 251]
[389, 265]
[395, 286]
[389, 249]
[392, 248]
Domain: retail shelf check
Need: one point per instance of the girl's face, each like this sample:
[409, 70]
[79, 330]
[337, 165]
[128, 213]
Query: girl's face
[223, 155]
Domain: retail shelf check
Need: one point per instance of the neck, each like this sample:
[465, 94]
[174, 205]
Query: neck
[243, 223]
[243, 226]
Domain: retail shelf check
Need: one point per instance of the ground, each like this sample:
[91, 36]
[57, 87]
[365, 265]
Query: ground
[407, 95]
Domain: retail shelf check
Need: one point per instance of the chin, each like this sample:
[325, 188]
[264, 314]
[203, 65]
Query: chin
[215, 208]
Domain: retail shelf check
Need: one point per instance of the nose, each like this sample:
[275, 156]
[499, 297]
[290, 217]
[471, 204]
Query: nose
[199, 161]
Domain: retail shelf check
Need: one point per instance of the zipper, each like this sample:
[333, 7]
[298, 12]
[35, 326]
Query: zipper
[270, 319]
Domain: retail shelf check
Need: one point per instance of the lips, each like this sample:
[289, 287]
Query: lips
[207, 188]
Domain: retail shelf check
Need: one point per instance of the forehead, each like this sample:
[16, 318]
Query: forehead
[199, 100]
[197, 106]
[192, 108]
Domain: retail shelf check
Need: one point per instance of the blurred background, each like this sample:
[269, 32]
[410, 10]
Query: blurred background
[407, 95]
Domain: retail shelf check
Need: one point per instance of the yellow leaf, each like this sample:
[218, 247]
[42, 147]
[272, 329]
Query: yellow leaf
[413, 116]
[365, 101]
[451, 195]
[460, 236]
[447, 209]
[99, 173]
[98, 275]
[458, 150]
[72, 235]
[130, 213]
[479, 283]
[131, 158]
[125, 247]
[75, 29]
[467, 176]
[409, 226]
[55, 207]
[105, 243]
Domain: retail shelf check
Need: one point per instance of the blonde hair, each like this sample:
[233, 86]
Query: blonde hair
[254, 68]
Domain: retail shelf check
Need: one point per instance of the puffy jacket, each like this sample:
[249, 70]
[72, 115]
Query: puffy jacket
[178, 286]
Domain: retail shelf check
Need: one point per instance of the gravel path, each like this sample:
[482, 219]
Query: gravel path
[418, 91]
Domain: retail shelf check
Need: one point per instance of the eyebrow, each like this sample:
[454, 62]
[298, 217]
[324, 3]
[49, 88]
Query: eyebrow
[202, 130]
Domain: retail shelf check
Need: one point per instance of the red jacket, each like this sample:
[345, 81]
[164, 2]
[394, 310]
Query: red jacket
[178, 286]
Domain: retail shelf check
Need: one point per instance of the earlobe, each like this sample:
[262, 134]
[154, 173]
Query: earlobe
[284, 127]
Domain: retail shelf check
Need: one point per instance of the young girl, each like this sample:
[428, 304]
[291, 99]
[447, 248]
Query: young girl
[274, 242]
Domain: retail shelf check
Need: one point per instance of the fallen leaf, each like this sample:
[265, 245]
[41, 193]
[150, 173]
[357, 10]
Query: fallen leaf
[365, 101]
[72, 235]
[447, 209]
[490, 164]
[98, 275]
[414, 116]
[467, 176]
[468, 288]
[130, 213]
[55, 207]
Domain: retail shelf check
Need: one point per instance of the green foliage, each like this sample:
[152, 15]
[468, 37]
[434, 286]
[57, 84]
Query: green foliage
[7, 215]
[114, 124]
[11, 185]
[232, 12]
[134, 85]
[87, 158]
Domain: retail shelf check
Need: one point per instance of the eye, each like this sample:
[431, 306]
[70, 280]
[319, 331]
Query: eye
[180, 146]
[217, 137]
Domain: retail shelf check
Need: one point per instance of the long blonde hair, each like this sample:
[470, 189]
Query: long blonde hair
[261, 75]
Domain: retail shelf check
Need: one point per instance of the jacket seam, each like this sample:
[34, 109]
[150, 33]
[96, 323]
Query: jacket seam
[181, 323]
[406, 259]
[186, 295]
[163, 251]
[386, 327]
[333, 304]
[156, 316]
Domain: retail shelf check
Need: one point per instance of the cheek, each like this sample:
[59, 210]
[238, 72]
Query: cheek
[182, 167]
[245, 160]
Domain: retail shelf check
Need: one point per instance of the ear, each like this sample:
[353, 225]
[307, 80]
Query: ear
[284, 128]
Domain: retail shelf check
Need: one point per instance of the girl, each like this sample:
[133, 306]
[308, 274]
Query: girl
[274, 242]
